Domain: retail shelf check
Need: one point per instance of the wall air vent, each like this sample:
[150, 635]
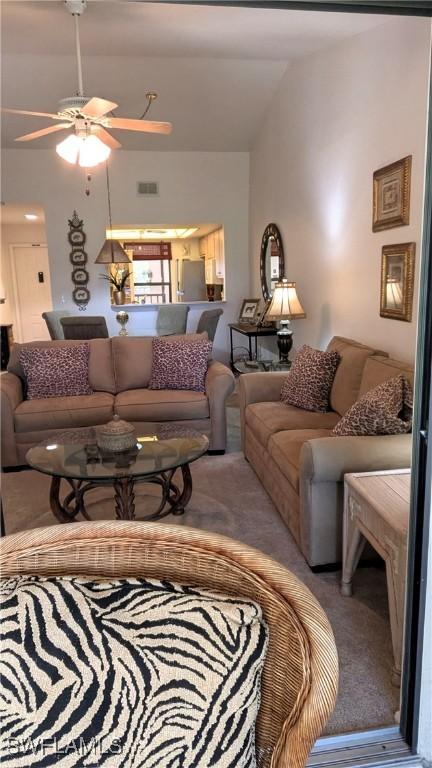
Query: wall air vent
[147, 188]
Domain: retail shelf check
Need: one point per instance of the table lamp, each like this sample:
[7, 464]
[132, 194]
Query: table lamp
[284, 306]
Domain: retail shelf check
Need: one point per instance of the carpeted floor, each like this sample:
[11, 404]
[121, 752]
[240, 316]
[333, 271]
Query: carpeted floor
[228, 498]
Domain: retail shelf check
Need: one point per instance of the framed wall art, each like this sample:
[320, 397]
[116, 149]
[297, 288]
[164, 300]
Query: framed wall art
[397, 281]
[391, 195]
[249, 311]
[78, 258]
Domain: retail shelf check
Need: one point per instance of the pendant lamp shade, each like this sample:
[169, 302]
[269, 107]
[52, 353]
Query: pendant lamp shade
[112, 253]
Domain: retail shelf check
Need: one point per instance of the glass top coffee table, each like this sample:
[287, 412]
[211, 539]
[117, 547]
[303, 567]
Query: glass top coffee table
[161, 449]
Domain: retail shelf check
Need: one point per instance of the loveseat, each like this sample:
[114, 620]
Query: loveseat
[300, 463]
[119, 374]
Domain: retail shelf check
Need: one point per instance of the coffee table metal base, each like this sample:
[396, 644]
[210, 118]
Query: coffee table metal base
[173, 501]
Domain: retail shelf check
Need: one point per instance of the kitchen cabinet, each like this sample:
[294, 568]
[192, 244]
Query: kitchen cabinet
[212, 250]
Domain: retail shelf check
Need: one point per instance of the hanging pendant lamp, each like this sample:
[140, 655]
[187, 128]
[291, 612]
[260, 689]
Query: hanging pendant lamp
[112, 252]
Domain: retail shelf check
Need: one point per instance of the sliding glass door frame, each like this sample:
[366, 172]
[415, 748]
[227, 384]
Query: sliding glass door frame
[396, 745]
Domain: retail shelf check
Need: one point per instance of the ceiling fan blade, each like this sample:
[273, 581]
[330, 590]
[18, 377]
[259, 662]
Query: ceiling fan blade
[146, 126]
[106, 137]
[43, 132]
[32, 114]
[98, 107]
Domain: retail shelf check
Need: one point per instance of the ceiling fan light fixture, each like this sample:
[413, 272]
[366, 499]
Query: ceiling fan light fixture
[69, 148]
[92, 151]
[88, 151]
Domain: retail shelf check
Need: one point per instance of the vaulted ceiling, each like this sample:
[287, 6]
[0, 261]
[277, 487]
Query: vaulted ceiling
[215, 69]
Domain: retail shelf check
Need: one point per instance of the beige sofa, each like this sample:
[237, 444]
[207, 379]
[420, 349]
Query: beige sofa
[300, 463]
[119, 373]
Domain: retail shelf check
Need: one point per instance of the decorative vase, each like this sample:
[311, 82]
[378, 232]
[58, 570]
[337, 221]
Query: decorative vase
[119, 297]
[122, 318]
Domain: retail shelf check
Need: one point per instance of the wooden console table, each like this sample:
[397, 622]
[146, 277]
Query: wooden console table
[376, 509]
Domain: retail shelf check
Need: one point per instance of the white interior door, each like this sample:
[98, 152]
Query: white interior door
[33, 290]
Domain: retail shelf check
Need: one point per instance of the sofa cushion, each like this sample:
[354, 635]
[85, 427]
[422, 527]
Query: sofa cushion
[310, 379]
[132, 359]
[378, 369]
[161, 405]
[129, 672]
[346, 385]
[64, 412]
[285, 447]
[381, 411]
[180, 364]
[56, 371]
[265, 419]
[101, 371]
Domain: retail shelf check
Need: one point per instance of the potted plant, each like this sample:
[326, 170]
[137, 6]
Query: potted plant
[118, 281]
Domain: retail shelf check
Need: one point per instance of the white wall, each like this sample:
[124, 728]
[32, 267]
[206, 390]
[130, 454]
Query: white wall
[195, 187]
[338, 116]
[15, 234]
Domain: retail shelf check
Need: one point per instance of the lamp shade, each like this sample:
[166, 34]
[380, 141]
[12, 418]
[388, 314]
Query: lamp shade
[285, 304]
[112, 253]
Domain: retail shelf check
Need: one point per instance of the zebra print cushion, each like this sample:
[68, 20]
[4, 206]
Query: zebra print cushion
[127, 674]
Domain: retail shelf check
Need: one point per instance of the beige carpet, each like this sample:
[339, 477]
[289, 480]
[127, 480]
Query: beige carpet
[228, 498]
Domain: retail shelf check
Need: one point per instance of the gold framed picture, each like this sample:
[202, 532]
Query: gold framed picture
[397, 281]
[391, 195]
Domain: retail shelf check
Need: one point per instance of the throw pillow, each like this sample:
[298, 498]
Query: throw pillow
[310, 379]
[179, 364]
[56, 371]
[128, 672]
[384, 410]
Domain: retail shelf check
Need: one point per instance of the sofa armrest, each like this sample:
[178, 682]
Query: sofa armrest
[11, 395]
[219, 383]
[328, 459]
[258, 388]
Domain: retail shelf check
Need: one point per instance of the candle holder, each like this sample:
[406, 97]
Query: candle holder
[122, 318]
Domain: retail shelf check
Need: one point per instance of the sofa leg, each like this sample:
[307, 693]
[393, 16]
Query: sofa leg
[216, 453]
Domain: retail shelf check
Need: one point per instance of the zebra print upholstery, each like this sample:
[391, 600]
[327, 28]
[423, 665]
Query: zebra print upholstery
[127, 673]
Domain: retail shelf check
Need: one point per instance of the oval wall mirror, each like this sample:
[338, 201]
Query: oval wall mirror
[272, 263]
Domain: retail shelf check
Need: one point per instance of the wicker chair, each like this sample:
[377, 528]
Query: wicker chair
[300, 678]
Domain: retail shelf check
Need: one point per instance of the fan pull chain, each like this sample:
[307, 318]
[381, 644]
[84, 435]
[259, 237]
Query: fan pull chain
[88, 180]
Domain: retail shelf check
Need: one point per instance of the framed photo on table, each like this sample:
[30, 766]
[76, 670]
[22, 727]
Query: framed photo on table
[397, 281]
[249, 311]
[391, 195]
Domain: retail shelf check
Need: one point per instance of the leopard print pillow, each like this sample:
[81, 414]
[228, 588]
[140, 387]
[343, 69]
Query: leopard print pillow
[384, 410]
[310, 379]
[179, 364]
[56, 371]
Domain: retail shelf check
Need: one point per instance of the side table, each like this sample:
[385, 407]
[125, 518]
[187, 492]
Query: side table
[376, 509]
[251, 332]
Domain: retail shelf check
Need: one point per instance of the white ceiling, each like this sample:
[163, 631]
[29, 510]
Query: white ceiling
[216, 69]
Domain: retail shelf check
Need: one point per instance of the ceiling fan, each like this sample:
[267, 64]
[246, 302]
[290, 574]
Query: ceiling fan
[90, 143]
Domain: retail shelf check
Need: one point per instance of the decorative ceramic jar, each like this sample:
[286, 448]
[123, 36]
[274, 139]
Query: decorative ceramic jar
[116, 436]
